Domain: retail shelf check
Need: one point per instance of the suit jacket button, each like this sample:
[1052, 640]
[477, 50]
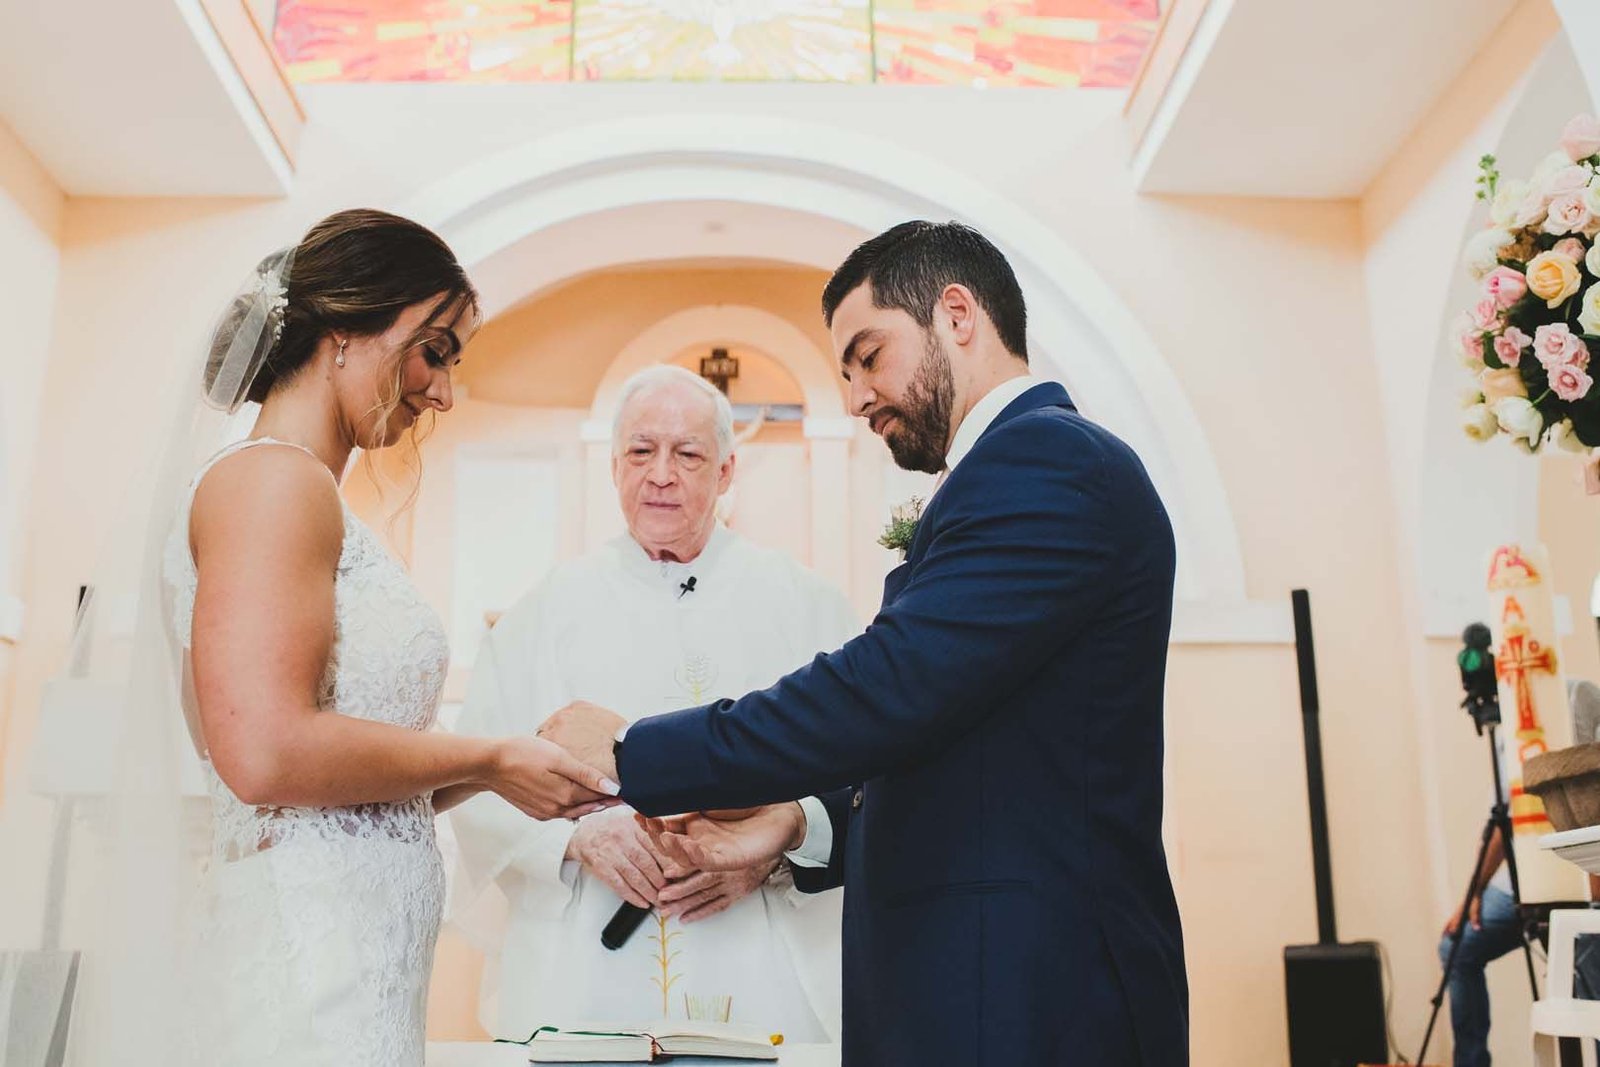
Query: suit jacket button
[855, 800]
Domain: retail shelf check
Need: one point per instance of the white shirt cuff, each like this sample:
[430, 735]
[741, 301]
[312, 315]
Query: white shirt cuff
[817, 848]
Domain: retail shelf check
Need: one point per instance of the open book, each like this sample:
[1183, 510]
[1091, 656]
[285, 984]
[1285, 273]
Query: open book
[646, 1044]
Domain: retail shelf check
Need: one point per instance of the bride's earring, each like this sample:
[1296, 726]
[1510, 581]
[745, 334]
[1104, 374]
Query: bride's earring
[339, 359]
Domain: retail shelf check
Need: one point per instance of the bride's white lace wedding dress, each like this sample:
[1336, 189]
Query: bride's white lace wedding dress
[317, 931]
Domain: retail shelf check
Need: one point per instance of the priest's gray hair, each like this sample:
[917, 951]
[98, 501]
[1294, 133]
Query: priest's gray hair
[663, 376]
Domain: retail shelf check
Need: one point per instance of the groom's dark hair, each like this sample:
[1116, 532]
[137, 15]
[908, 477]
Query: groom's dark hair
[910, 265]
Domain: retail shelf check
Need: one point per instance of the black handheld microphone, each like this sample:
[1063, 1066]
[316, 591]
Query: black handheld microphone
[686, 587]
[624, 922]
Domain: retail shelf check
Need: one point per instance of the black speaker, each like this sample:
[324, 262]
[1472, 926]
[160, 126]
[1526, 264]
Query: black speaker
[1336, 1010]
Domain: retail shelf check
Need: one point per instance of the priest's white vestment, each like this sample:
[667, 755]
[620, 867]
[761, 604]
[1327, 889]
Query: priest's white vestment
[642, 637]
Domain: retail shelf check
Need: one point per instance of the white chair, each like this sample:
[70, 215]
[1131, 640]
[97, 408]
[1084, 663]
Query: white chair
[1558, 1014]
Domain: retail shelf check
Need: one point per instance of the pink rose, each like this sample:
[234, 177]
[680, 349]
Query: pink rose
[1509, 345]
[1567, 214]
[1577, 353]
[1570, 382]
[1505, 286]
[1532, 210]
[1555, 345]
[1566, 181]
[1581, 138]
[1486, 314]
[1570, 247]
[1472, 347]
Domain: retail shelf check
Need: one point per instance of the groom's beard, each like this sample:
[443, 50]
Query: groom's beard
[917, 443]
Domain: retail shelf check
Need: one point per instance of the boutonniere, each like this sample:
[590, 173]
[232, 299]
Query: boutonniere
[902, 526]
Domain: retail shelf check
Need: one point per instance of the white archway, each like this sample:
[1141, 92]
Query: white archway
[849, 186]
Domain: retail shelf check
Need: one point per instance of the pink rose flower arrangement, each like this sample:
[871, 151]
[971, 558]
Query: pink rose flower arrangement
[1538, 263]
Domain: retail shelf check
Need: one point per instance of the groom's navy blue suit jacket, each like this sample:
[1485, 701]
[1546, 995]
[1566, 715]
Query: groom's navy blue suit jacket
[990, 753]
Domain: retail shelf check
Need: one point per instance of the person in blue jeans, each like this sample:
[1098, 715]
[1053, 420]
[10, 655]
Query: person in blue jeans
[1492, 921]
[1492, 930]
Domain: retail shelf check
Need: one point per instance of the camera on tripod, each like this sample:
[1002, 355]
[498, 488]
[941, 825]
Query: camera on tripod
[1482, 702]
[1476, 663]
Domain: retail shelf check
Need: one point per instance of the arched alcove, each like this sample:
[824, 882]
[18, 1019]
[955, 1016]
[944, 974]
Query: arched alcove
[758, 328]
[800, 193]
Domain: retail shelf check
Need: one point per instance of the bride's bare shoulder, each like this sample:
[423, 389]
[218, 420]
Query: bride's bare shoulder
[267, 499]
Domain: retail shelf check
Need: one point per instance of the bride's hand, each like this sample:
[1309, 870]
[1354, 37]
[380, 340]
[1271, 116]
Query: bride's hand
[543, 780]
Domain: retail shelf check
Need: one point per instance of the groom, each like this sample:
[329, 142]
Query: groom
[986, 758]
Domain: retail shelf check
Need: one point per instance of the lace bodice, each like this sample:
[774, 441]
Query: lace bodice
[388, 664]
[314, 943]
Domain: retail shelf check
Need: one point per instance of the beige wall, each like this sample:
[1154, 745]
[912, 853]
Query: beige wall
[1274, 317]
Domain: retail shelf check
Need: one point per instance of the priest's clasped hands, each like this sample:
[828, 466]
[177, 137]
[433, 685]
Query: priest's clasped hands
[717, 841]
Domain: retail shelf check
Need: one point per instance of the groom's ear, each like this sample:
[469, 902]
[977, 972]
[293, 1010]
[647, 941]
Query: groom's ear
[957, 310]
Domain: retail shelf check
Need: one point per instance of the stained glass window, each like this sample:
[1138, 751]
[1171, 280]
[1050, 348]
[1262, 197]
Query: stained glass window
[1022, 42]
[425, 40]
[696, 40]
[1090, 43]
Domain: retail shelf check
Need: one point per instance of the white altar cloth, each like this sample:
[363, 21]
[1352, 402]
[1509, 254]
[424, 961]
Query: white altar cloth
[489, 1054]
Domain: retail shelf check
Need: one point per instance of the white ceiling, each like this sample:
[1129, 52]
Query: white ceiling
[132, 98]
[1305, 98]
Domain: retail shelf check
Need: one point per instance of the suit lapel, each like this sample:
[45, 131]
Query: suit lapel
[1050, 394]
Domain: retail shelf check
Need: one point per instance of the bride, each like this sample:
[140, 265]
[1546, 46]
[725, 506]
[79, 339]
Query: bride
[313, 668]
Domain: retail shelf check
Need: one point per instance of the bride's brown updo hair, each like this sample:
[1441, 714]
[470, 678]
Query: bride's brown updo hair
[355, 272]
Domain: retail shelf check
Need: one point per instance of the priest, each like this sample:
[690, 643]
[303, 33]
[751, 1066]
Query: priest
[679, 610]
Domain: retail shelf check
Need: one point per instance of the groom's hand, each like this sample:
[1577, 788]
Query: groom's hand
[729, 840]
[587, 731]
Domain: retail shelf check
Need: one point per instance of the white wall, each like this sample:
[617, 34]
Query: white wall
[31, 210]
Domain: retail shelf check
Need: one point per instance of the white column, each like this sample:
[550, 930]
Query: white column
[828, 441]
[602, 519]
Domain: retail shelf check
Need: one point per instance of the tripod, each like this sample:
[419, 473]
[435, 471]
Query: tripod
[1499, 822]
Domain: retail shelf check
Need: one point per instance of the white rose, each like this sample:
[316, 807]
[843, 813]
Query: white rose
[1562, 436]
[1568, 180]
[1591, 197]
[1483, 250]
[1531, 211]
[1471, 396]
[1503, 210]
[1479, 422]
[1591, 260]
[1518, 417]
[1552, 164]
[1589, 317]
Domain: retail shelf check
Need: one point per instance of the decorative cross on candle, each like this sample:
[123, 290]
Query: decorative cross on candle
[1518, 657]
